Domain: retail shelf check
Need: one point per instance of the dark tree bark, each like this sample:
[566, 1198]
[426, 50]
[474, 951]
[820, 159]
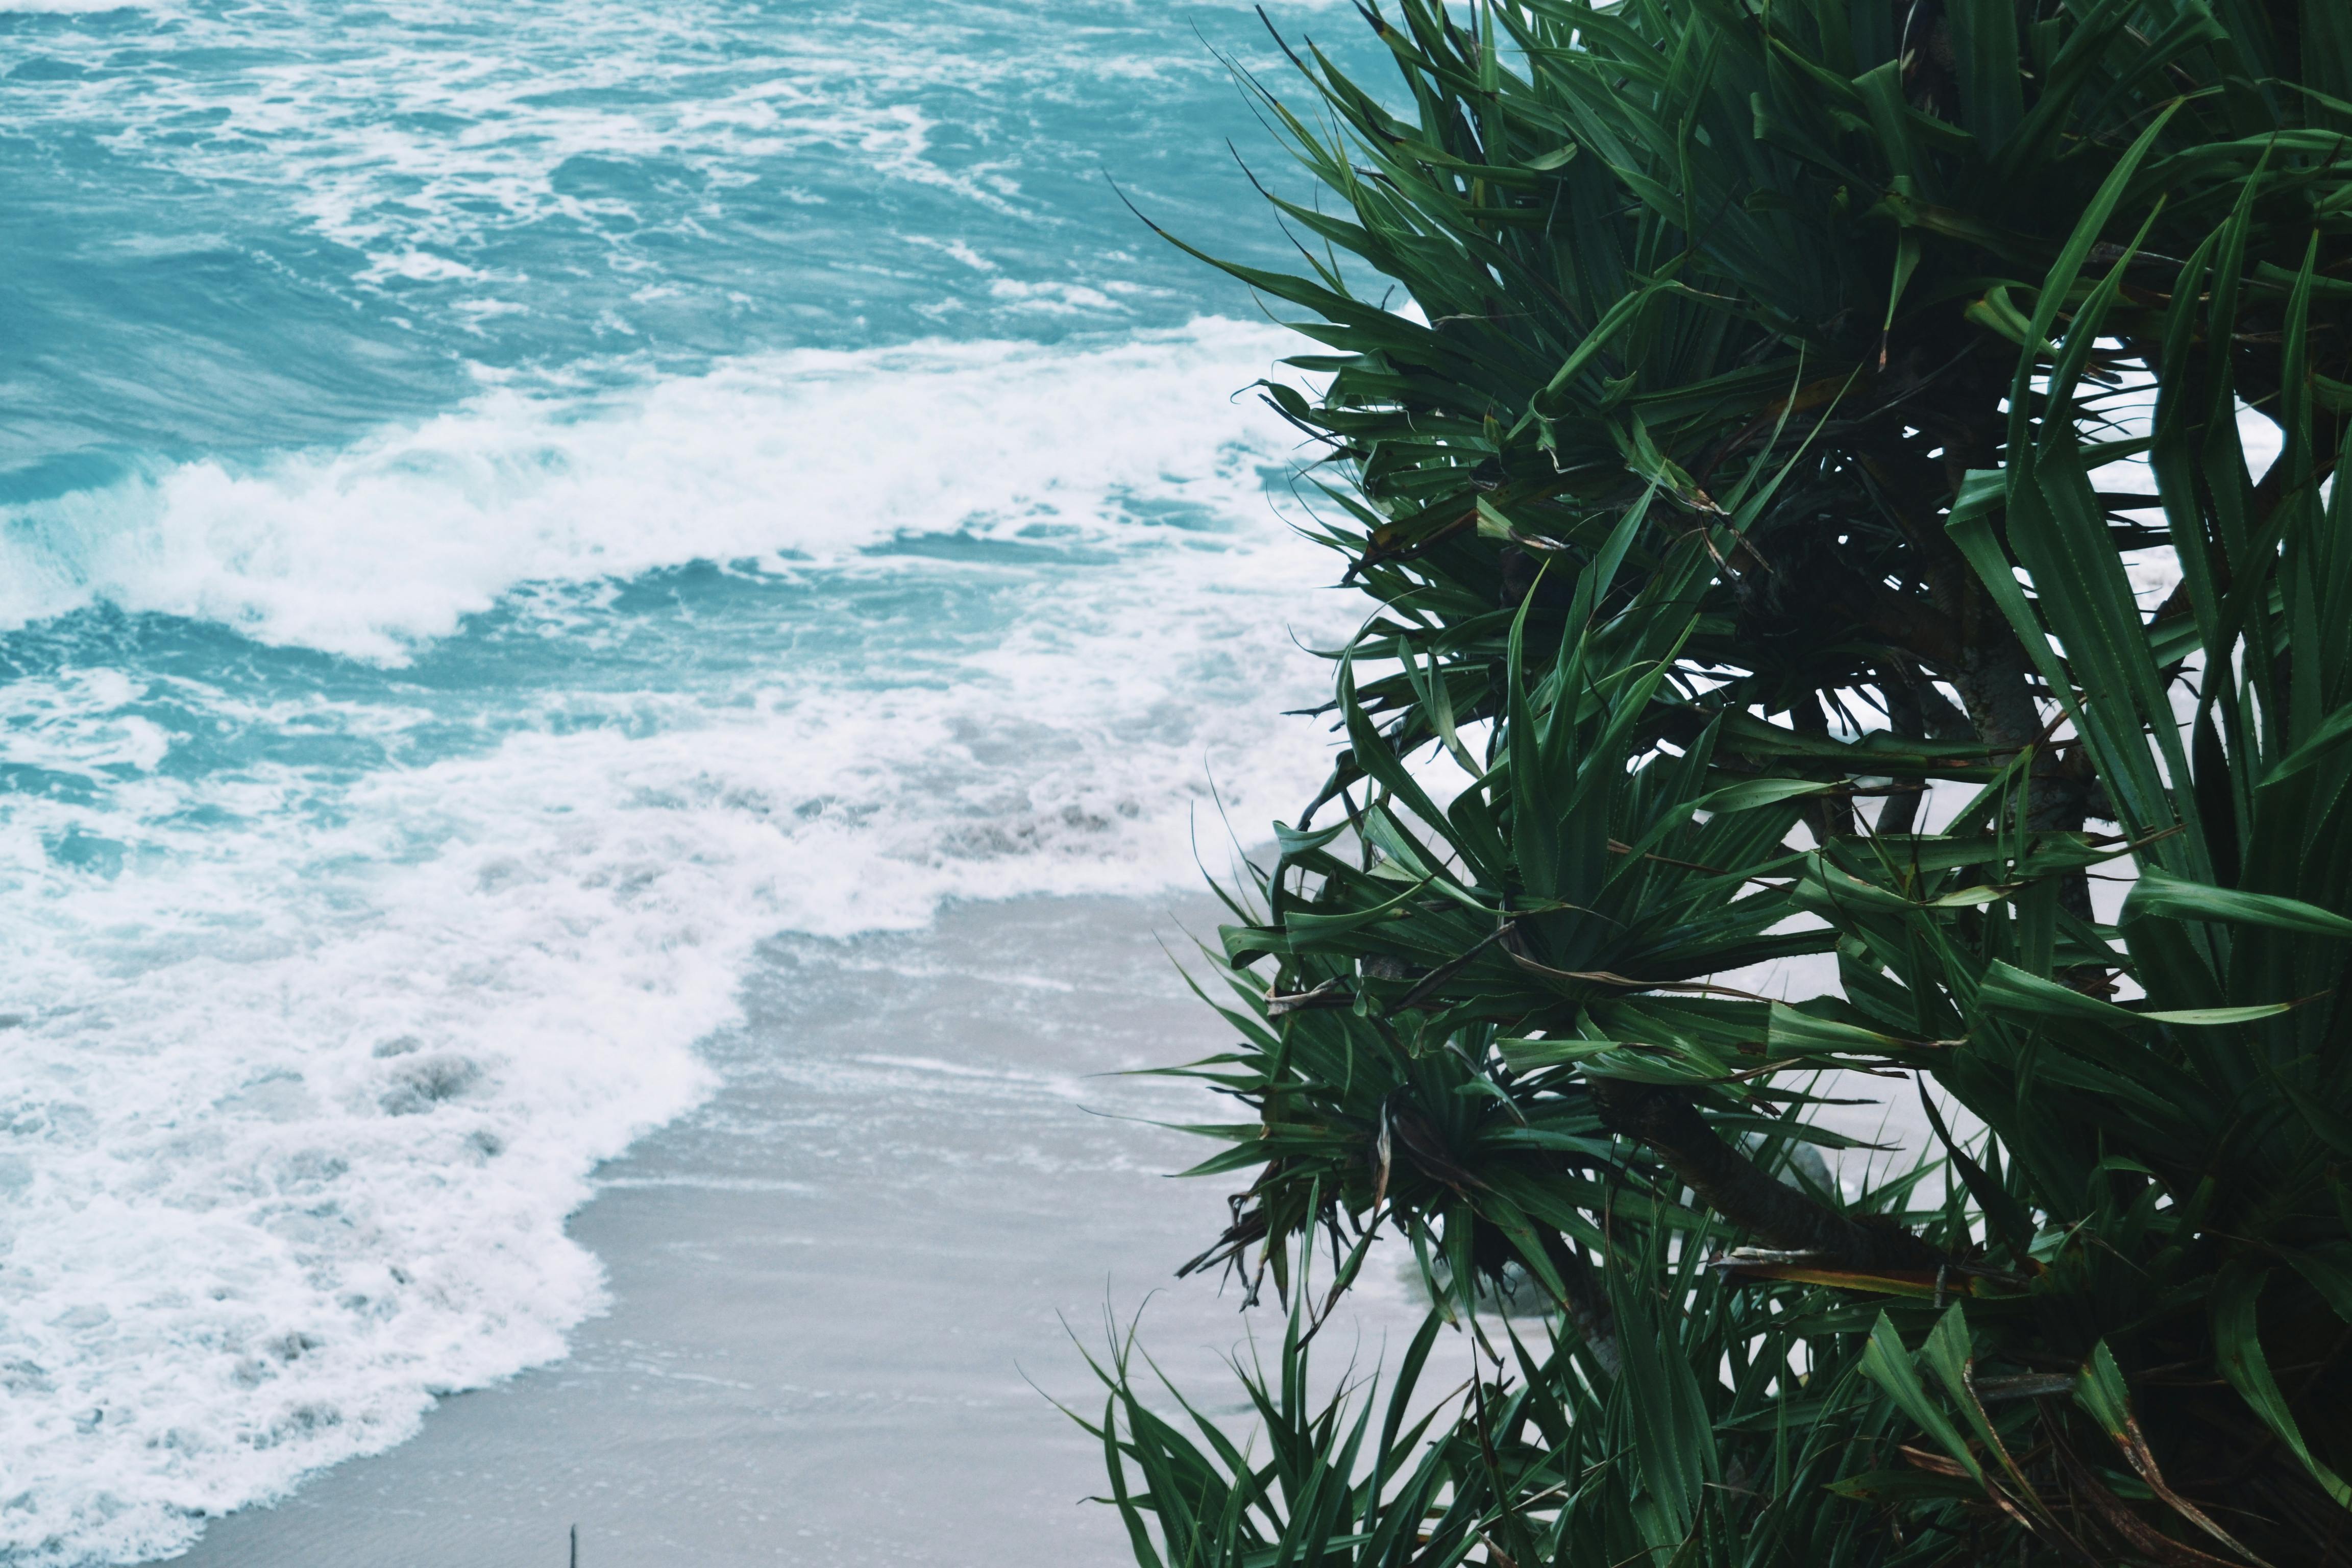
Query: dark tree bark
[1743, 1193]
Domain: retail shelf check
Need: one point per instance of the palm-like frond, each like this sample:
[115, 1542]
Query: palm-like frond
[1742, 479]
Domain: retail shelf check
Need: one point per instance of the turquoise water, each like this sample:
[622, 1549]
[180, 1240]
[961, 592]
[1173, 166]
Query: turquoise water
[501, 511]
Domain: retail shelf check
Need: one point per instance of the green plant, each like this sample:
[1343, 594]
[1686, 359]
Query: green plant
[1739, 502]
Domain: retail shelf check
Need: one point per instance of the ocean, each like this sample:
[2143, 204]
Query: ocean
[508, 514]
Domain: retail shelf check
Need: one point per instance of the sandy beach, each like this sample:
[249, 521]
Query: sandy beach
[832, 1283]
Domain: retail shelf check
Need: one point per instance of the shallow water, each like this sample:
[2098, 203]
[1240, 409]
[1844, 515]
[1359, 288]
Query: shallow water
[502, 513]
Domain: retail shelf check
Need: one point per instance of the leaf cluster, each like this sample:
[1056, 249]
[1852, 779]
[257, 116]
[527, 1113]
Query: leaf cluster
[1730, 463]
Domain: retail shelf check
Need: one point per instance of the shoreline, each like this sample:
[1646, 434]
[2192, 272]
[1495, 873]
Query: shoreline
[830, 1283]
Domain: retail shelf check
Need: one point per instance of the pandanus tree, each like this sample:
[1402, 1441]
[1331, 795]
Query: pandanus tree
[1832, 477]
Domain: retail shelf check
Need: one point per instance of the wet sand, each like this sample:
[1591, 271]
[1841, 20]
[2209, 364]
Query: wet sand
[828, 1282]
[833, 1284]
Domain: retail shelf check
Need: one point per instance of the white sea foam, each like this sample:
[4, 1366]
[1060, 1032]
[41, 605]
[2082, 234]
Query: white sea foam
[306, 1067]
[370, 550]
